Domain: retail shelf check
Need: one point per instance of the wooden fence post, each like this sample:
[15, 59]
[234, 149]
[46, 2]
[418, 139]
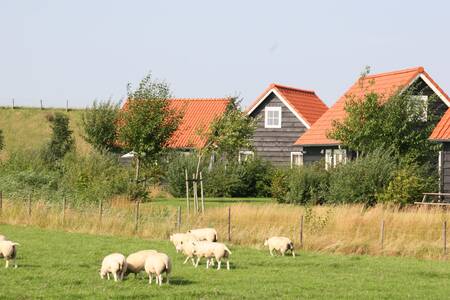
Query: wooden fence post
[1, 203]
[194, 185]
[201, 193]
[12, 103]
[29, 204]
[178, 218]
[382, 234]
[229, 224]
[136, 216]
[41, 105]
[301, 231]
[187, 191]
[64, 209]
[444, 236]
[100, 210]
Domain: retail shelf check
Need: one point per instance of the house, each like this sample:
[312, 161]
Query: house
[284, 114]
[315, 143]
[198, 115]
[441, 133]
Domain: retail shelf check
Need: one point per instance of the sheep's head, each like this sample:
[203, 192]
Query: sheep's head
[266, 242]
[171, 238]
[102, 274]
[179, 246]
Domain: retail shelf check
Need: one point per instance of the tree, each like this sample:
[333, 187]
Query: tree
[61, 140]
[100, 125]
[228, 134]
[147, 121]
[2, 143]
[400, 124]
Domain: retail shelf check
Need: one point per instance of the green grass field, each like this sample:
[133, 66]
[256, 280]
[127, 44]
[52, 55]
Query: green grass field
[28, 128]
[60, 265]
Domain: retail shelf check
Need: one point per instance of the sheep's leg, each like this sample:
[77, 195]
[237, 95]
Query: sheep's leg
[7, 264]
[219, 263]
[207, 263]
[293, 253]
[115, 276]
[270, 250]
[228, 264]
[187, 258]
[160, 279]
[149, 278]
[196, 264]
[212, 261]
[193, 261]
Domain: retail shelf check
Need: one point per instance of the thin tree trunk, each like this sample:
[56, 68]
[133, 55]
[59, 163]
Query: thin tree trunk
[138, 162]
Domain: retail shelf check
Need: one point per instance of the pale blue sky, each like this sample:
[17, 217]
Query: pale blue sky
[85, 50]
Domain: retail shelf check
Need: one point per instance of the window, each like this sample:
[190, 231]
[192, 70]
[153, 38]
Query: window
[422, 104]
[296, 159]
[328, 158]
[334, 157]
[245, 155]
[272, 117]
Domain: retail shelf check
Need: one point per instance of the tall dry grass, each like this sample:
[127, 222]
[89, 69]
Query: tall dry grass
[341, 229]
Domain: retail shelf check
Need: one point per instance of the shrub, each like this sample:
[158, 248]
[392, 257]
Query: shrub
[362, 179]
[61, 141]
[407, 185]
[300, 185]
[175, 175]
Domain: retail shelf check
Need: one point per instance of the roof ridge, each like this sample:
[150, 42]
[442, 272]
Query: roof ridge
[200, 99]
[274, 85]
[419, 69]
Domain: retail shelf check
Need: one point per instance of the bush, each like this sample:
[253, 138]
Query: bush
[407, 185]
[362, 179]
[175, 177]
[300, 185]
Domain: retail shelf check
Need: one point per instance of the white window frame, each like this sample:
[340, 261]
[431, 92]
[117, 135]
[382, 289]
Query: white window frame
[328, 158]
[266, 113]
[292, 159]
[339, 157]
[245, 154]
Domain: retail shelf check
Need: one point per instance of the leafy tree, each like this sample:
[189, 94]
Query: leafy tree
[148, 121]
[2, 143]
[99, 124]
[228, 133]
[397, 124]
[61, 141]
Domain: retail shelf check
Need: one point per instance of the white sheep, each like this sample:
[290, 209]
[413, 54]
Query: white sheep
[136, 261]
[178, 238]
[204, 234]
[158, 263]
[8, 250]
[281, 244]
[211, 251]
[187, 248]
[115, 264]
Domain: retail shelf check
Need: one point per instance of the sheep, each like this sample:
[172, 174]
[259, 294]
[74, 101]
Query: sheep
[136, 261]
[115, 264]
[211, 251]
[187, 248]
[281, 244]
[157, 264]
[8, 250]
[204, 234]
[178, 238]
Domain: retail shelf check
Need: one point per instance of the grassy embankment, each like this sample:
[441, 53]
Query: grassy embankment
[55, 265]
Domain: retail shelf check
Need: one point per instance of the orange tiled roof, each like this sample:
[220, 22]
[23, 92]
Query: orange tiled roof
[384, 84]
[198, 114]
[442, 130]
[305, 103]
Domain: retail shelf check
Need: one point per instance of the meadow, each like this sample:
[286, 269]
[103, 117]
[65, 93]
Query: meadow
[55, 264]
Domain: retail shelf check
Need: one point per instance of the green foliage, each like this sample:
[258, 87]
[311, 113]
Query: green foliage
[300, 185]
[2, 143]
[84, 179]
[314, 222]
[362, 179]
[397, 124]
[407, 185]
[99, 125]
[175, 172]
[148, 121]
[231, 132]
[61, 141]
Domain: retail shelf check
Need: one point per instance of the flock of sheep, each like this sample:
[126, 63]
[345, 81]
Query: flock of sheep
[195, 244]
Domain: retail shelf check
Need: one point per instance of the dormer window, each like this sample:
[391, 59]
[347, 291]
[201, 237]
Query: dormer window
[272, 117]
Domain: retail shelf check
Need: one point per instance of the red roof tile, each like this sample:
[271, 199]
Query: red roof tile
[442, 130]
[198, 114]
[306, 104]
[384, 84]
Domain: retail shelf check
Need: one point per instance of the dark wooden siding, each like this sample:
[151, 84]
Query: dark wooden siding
[276, 144]
[445, 168]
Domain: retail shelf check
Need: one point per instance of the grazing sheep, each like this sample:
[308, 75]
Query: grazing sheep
[115, 264]
[281, 244]
[178, 238]
[136, 261]
[8, 250]
[187, 248]
[158, 263]
[204, 234]
[211, 251]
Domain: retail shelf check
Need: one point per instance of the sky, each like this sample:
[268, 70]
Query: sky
[82, 51]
